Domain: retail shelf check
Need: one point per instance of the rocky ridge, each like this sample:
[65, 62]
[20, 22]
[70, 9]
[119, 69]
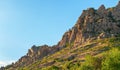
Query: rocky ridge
[92, 24]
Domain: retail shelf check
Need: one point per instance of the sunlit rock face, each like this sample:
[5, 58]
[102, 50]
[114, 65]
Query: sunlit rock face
[93, 24]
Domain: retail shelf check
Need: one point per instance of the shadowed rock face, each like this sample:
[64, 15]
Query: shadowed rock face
[92, 24]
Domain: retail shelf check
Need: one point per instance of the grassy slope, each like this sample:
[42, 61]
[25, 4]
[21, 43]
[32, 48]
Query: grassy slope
[75, 56]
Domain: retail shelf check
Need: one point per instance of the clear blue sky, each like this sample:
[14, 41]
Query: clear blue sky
[24, 23]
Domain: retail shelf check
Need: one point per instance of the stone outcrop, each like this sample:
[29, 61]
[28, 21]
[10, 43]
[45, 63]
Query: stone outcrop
[94, 24]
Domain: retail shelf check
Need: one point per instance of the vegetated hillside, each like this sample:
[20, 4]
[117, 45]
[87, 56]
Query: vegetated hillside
[92, 44]
[95, 55]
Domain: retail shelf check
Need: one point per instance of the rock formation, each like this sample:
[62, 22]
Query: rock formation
[92, 24]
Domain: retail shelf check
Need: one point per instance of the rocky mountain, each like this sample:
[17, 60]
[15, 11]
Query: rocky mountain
[93, 25]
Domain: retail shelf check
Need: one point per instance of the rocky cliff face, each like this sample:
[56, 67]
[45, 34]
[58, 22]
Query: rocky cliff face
[92, 24]
[34, 54]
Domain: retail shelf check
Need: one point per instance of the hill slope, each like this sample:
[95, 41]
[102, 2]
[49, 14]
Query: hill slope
[85, 46]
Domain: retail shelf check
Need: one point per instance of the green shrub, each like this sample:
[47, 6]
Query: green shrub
[73, 66]
[91, 63]
[58, 59]
[114, 40]
[53, 68]
[86, 67]
[112, 60]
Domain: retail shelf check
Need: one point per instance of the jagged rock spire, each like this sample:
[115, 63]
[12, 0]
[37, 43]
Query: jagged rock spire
[118, 5]
[101, 8]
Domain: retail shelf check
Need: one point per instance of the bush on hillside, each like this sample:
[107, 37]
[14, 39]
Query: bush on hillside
[112, 60]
